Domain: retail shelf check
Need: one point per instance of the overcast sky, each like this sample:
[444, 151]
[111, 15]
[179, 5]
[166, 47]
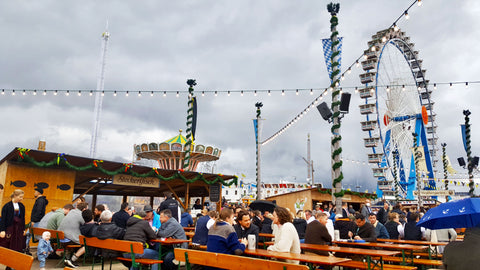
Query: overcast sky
[224, 45]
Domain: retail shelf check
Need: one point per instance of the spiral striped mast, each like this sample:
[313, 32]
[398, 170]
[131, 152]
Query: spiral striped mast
[417, 171]
[188, 143]
[445, 165]
[395, 174]
[337, 174]
[258, 130]
[469, 152]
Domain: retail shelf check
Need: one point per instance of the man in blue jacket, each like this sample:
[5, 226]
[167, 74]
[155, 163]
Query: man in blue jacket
[380, 229]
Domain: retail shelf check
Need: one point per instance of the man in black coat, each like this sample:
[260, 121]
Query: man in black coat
[38, 210]
[317, 232]
[463, 254]
[365, 231]
[139, 230]
[244, 226]
[109, 230]
[170, 203]
[120, 218]
[382, 215]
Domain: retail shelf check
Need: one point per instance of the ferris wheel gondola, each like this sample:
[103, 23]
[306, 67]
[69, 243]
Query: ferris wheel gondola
[397, 107]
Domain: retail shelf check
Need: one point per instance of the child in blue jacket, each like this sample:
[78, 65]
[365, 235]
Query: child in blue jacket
[44, 249]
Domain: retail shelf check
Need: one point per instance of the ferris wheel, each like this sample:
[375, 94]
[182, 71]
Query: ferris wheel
[399, 111]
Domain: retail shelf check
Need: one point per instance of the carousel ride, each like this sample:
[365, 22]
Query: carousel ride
[399, 112]
[170, 154]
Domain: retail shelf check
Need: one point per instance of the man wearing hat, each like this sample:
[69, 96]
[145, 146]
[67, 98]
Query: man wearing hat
[152, 217]
[38, 212]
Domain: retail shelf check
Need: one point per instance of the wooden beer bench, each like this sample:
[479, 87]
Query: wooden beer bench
[15, 260]
[233, 262]
[122, 246]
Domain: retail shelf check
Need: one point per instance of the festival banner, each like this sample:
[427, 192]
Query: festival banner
[327, 53]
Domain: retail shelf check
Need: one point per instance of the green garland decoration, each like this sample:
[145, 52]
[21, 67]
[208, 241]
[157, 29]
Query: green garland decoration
[188, 144]
[445, 165]
[349, 192]
[61, 161]
[469, 152]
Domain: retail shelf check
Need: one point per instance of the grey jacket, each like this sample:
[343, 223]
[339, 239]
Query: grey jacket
[70, 225]
[171, 228]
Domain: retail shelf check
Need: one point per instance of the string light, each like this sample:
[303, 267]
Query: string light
[451, 85]
[24, 92]
[241, 93]
[126, 94]
[466, 85]
[419, 2]
[67, 93]
[79, 93]
[203, 93]
[44, 92]
[283, 92]
[13, 93]
[114, 93]
[254, 93]
[435, 86]
[177, 94]
[228, 94]
[269, 94]
[55, 93]
[311, 91]
[103, 93]
[151, 93]
[215, 93]
[406, 15]
[139, 94]
[395, 27]
[91, 93]
[164, 93]
[3, 91]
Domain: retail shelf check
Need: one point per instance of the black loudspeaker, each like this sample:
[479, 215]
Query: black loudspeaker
[345, 102]
[325, 111]
[475, 161]
[461, 162]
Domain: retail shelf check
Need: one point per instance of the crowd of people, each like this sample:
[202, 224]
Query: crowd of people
[225, 231]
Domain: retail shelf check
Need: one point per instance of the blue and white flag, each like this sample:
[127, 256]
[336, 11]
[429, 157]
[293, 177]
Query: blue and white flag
[464, 137]
[327, 53]
[255, 126]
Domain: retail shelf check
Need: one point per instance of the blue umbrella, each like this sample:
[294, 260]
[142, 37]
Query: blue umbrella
[463, 213]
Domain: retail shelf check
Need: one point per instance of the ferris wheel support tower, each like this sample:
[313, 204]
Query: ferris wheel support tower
[99, 95]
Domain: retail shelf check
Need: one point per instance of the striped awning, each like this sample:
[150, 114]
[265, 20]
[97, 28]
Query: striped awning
[177, 139]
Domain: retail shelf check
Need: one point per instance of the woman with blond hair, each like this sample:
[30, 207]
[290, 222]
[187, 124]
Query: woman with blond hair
[222, 237]
[12, 224]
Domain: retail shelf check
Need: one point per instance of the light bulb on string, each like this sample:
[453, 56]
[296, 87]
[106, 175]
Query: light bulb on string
[388, 88]
[3, 91]
[91, 93]
[419, 2]
[451, 85]
[406, 15]
[357, 64]
[228, 93]
[255, 93]
[311, 91]
[139, 94]
[115, 93]
[34, 92]
[178, 94]
[151, 93]
[435, 86]
[79, 93]
[164, 93]
[103, 93]
[67, 93]
[395, 27]
[384, 39]
[403, 87]
[13, 92]
[269, 94]
[203, 93]
[283, 92]
[126, 94]
[241, 93]
[24, 92]
[466, 85]
[44, 92]
[215, 93]
[55, 93]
